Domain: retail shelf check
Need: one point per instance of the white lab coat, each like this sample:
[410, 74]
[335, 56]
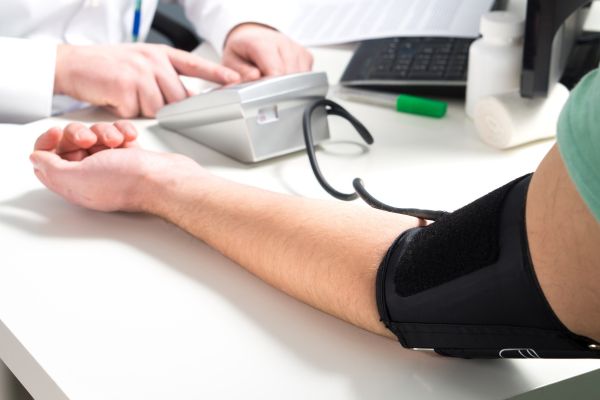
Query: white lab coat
[31, 29]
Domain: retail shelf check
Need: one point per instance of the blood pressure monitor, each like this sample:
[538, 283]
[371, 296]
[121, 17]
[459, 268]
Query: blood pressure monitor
[252, 121]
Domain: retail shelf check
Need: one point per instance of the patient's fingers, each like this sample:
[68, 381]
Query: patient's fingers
[76, 137]
[77, 141]
[97, 148]
[76, 155]
[133, 144]
[127, 129]
[49, 140]
[108, 135]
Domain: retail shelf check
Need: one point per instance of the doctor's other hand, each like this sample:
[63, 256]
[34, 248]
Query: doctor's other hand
[131, 79]
[102, 167]
[256, 50]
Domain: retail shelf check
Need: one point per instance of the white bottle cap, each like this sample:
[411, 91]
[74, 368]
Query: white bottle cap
[502, 24]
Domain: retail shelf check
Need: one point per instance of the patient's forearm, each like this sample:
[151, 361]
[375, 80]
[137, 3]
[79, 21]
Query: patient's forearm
[324, 253]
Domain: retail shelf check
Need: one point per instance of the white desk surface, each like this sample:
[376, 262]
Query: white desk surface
[120, 306]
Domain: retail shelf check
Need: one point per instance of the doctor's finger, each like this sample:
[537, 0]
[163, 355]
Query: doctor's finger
[124, 104]
[305, 60]
[290, 58]
[149, 96]
[192, 65]
[267, 59]
[248, 71]
[169, 83]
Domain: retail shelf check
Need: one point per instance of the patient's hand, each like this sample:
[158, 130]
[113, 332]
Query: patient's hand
[102, 167]
[76, 141]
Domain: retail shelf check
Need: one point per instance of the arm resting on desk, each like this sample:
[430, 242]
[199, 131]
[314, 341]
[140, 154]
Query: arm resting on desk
[323, 253]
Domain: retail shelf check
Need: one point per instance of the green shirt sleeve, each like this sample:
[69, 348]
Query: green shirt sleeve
[579, 139]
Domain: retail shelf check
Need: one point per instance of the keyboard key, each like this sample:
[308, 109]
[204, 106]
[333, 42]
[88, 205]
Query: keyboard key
[400, 66]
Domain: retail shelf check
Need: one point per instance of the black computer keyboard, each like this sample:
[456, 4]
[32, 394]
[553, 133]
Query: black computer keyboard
[415, 64]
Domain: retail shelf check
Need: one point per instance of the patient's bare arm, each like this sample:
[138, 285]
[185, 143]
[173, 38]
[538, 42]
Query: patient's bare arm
[564, 240]
[324, 253]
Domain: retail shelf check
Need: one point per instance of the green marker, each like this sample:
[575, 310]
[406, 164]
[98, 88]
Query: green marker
[403, 103]
[420, 106]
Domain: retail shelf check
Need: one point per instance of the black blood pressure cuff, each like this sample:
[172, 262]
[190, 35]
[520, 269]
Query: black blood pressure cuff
[464, 286]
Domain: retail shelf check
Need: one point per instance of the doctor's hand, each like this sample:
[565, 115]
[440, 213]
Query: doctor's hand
[102, 167]
[256, 50]
[131, 79]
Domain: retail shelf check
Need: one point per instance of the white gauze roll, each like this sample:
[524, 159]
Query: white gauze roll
[508, 120]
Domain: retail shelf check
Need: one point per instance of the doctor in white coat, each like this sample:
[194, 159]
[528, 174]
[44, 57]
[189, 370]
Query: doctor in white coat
[86, 49]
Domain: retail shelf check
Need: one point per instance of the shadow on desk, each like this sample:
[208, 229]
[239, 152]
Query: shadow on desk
[341, 150]
[203, 155]
[10, 387]
[208, 157]
[329, 346]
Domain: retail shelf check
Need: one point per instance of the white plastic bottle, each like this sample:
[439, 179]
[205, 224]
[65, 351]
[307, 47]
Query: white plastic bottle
[495, 59]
